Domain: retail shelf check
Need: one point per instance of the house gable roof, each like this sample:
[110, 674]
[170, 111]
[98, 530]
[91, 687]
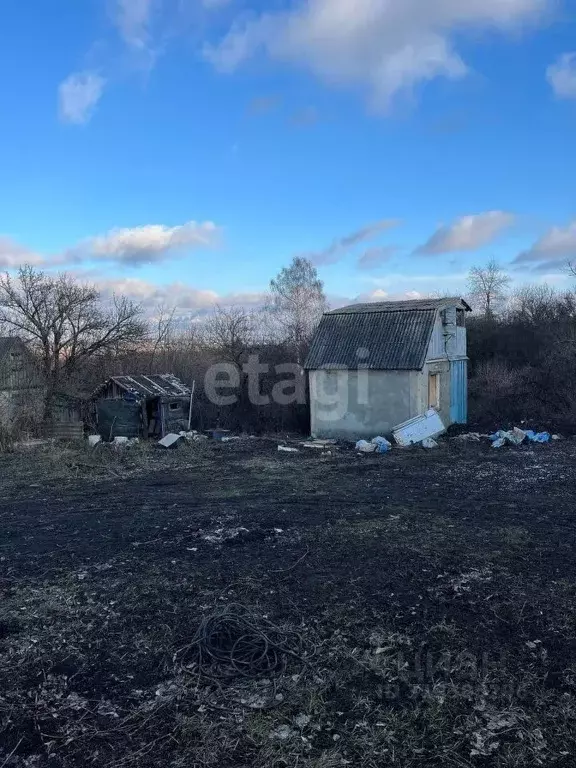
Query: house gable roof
[387, 336]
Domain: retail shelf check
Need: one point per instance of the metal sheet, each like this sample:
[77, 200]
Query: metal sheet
[459, 391]
[379, 340]
[144, 385]
[419, 428]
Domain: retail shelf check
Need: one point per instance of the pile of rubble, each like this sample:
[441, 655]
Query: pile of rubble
[515, 436]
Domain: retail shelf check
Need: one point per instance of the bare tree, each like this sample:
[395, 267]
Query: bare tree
[487, 287]
[534, 304]
[297, 303]
[163, 333]
[66, 323]
[230, 333]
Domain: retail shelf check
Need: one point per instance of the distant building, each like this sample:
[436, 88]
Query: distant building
[373, 366]
[21, 387]
[142, 406]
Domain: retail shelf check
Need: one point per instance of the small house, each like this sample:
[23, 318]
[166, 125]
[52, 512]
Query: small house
[142, 406]
[68, 417]
[21, 386]
[374, 366]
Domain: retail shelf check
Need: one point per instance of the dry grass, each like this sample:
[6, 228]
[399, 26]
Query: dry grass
[433, 596]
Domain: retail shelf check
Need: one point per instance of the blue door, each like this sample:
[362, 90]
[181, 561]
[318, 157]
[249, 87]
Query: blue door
[459, 391]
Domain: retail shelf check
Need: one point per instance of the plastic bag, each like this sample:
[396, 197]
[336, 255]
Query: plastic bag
[382, 445]
[365, 447]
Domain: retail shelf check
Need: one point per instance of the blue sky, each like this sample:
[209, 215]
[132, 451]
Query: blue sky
[185, 150]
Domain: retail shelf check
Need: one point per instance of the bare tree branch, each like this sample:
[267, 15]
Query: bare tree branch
[487, 287]
[297, 303]
[66, 322]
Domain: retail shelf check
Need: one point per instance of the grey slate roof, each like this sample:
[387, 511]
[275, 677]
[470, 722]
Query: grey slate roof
[402, 306]
[386, 336]
[152, 385]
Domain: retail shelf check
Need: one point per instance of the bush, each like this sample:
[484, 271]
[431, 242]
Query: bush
[523, 363]
[498, 393]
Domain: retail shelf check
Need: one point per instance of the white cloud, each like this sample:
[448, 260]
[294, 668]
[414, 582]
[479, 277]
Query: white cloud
[133, 18]
[78, 96]
[142, 245]
[184, 297]
[132, 247]
[375, 257]
[378, 295]
[553, 249]
[467, 233]
[340, 247]
[562, 76]
[383, 46]
[13, 254]
[381, 295]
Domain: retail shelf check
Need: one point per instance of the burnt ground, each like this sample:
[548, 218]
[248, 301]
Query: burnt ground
[424, 601]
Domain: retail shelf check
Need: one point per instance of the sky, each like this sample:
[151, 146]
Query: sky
[184, 151]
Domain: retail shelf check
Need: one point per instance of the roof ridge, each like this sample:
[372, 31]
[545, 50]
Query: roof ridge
[399, 305]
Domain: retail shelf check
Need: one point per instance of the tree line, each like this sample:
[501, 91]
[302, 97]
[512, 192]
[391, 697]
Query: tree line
[521, 344]
[79, 338]
[522, 350]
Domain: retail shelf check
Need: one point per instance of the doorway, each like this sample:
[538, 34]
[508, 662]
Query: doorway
[434, 391]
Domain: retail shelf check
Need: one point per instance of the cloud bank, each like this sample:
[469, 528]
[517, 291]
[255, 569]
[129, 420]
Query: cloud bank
[382, 46]
[342, 245]
[467, 233]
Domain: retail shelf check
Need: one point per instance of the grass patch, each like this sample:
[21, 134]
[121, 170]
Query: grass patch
[435, 607]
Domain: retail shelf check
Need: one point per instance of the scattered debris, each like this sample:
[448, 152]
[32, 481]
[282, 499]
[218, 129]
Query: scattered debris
[429, 443]
[193, 436]
[538, 437]
[232, 642]
[221, 535]
[363, 446]
[170, 440]
[382, 445]
[229, 438]
[472, 437]
[124, 442]
[219, 434]
[419, 428]
[302, 720]
[517, 436]
[94, 440]
[31, 444]
[283, 733]
[321, 444]
[286, 449]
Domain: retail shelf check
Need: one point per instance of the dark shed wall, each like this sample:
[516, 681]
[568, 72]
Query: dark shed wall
[119, 418]
[175, 417]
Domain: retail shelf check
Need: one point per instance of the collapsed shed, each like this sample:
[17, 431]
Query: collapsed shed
[142, 405]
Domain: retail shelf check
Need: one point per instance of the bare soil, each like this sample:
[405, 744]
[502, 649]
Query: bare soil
[426, 601]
